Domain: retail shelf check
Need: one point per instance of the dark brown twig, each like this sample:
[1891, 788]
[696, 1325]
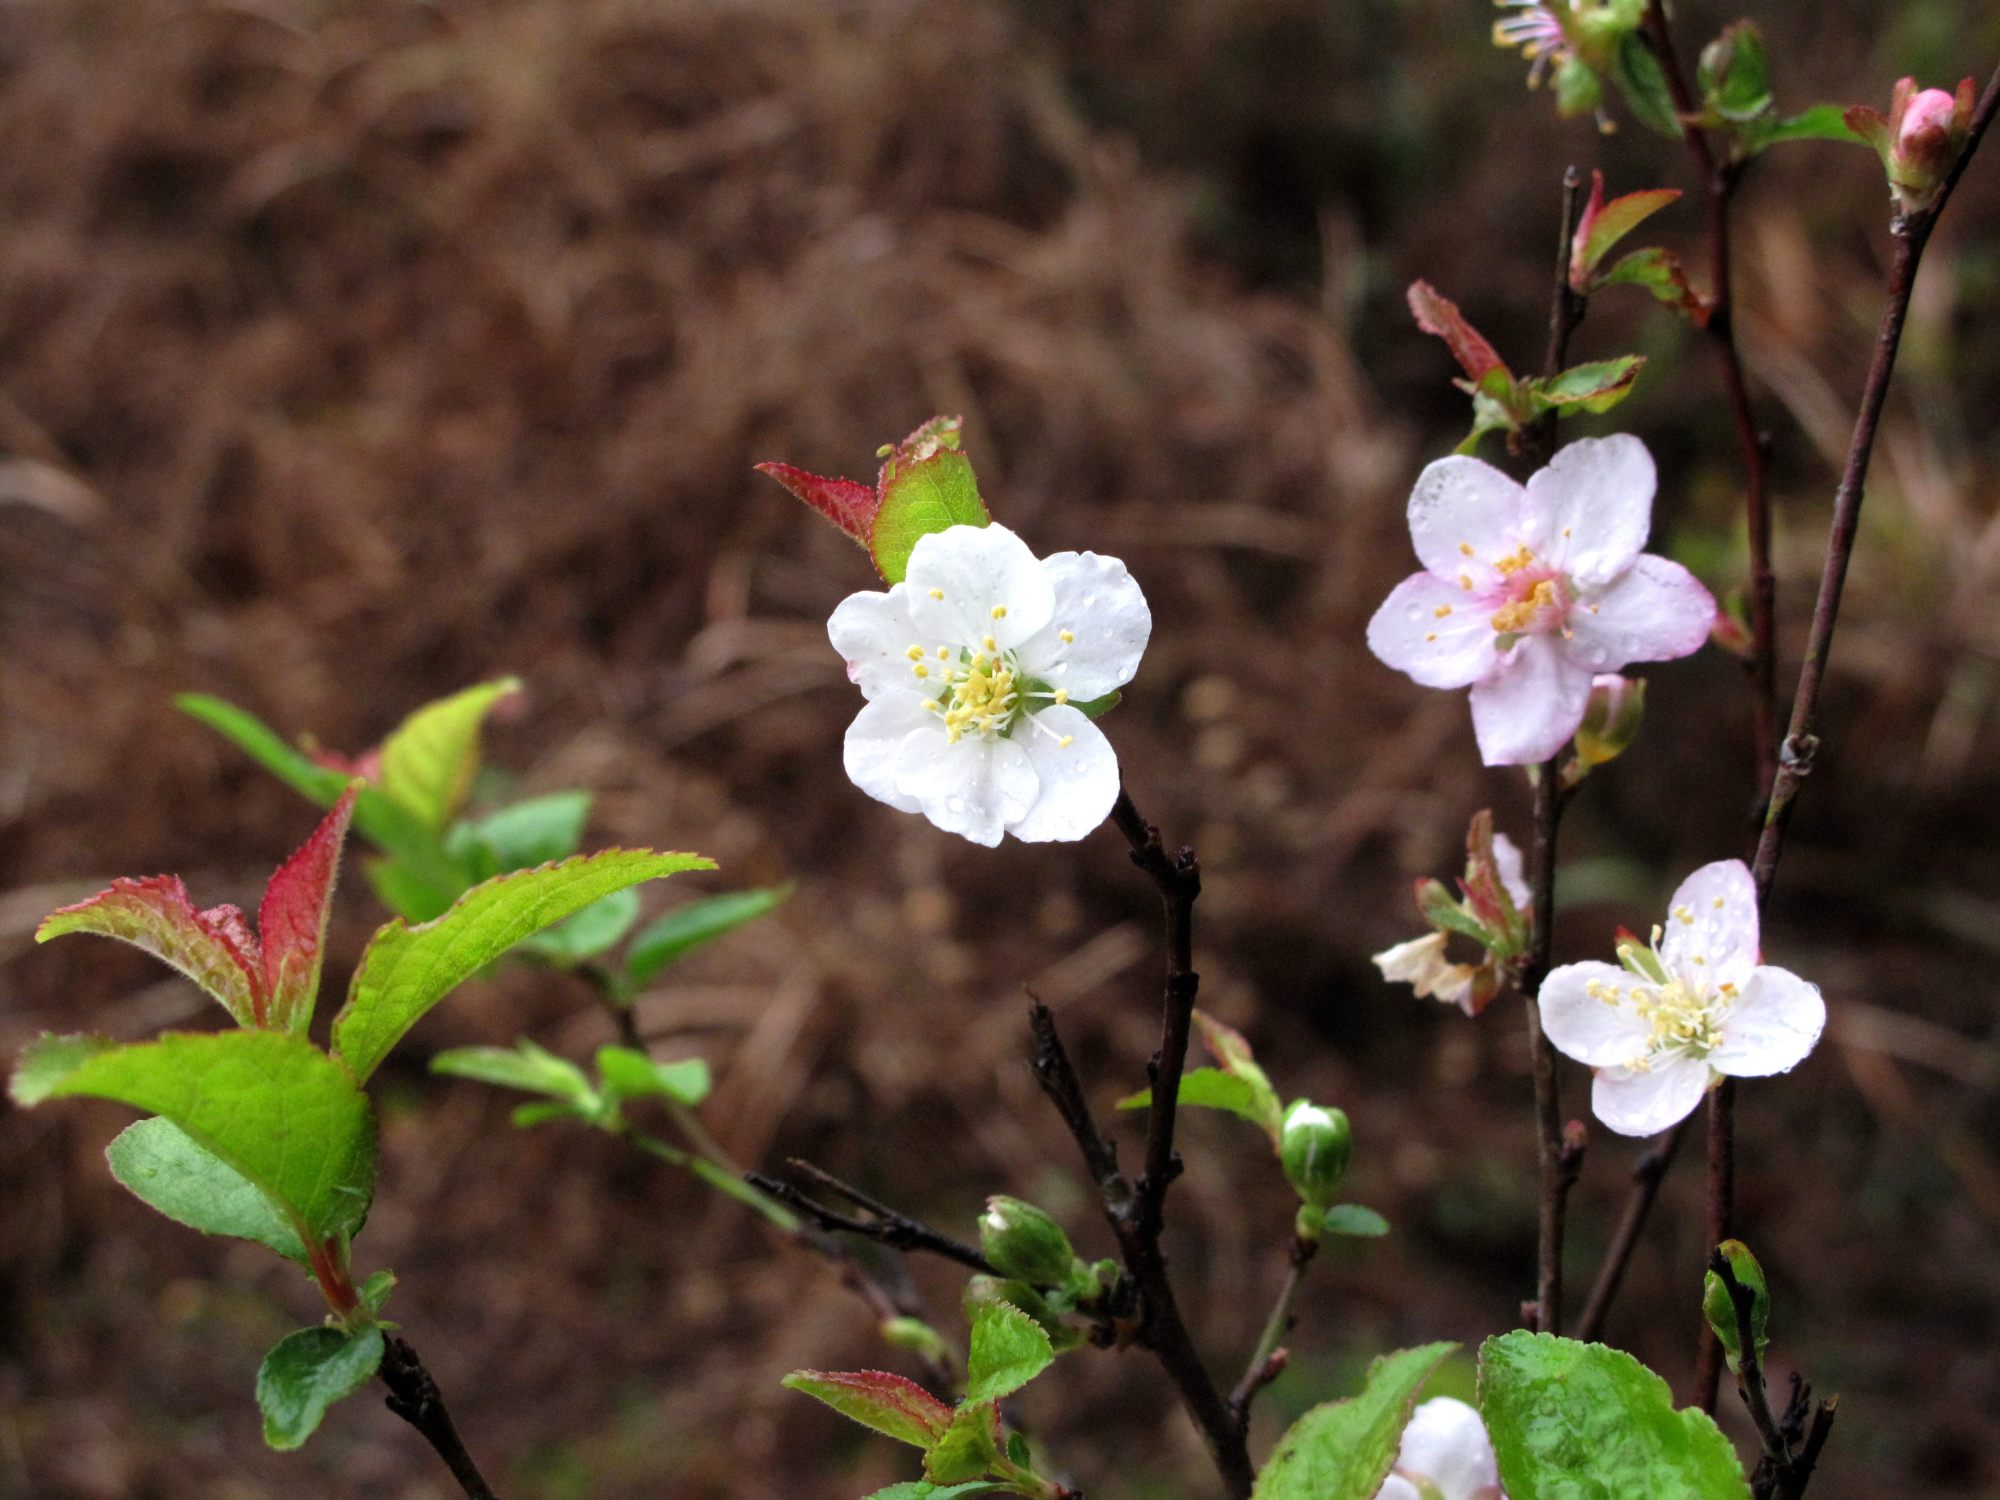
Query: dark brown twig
[414, 1396]
[1646, 1179]
[884, 1225]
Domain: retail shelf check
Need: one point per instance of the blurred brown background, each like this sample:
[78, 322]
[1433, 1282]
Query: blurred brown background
[353, 352]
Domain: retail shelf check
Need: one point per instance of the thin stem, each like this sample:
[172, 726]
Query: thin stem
[883, 1224]
[414, 1396]
[1267, 1360]
[1646, 1179]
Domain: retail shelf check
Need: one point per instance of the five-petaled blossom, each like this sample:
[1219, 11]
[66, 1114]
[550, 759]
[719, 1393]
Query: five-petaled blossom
[1528, 592]
[973, 666]
[1662, 1024]
[1445, 1455]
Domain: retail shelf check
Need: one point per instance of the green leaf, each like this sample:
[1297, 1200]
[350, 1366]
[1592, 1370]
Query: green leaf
[1353, 1219]
[968, 1447]
[1097, 708]
[1009, 1349]
[921, 1489]
[1575, 1421]
[306, 1372]
[156, 915]
[879, 1401]
[1639, 78]
[273, 1107]
[1618, 218]
[526, 1116]
[407, 970]
[1342, 1450]
[631, 1074]
[1595, 387]
[1659, 272]
[1211, 1088]
[1823, 122]
[523, 1066]
[597, 927]
[376, 1289]
[533, 832]
[934, 494]
[429, 759]
[191, 1185]
[45, 1063]
[672, 936]
[408, 892]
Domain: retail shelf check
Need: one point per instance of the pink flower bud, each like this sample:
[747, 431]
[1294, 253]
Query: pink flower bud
[1918, 140]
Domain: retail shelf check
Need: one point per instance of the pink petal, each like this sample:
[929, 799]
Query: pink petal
[1443, 650]
[1658, 611]
[1526, 710]
[1592, 507]
[1464, 517]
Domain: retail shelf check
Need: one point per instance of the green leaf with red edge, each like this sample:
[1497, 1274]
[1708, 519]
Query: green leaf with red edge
[1595, 387]
[1342, 1450]
[214, 948]
[932, 494]
[406, 970]
[969, 1447]
[1604, 224]
[848, 503]
[1232, 1051]
[1439, 316]
[884, 1403]
[938, 432]
[428, 761]
[1661, 273]
[291, 922]
[271, 1107]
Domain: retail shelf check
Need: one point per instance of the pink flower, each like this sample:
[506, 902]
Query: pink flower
[1528, 592]
[1918, 139]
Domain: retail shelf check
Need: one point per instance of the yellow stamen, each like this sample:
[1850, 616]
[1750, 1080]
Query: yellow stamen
[1065, 637]
[1441, 611]
[937, 593]
[999, 611]
[915, 653]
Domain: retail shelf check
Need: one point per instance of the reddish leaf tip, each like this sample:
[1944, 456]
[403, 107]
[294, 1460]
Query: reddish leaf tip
[848, 503]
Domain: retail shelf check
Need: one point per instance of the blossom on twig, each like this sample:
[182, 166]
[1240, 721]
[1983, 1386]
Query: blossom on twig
[1445, 1455]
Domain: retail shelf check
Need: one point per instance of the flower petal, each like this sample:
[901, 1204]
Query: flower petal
[960, 576]
[1445, 1444]
[1771, 1029]
[875, 739]
[1713, 918]
[1465, 516]
[1396, 1487]
[1647, 1103]
[1100, 605]
[1078, 781]
[973, 788]
[1443, 650]
[1527, 710]
[1658, 611]
[1600, 1033]
[1593, 506]
[1507, 860]
[873, 631]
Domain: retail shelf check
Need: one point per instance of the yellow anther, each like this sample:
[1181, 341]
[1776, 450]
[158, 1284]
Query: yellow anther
[931, 705]
[1062, 695]
[944, 653]
[988, 643]
[921, 670]
[915, 653]
[999, 611]
[937, 593]
[1465, 548]
[1520, 614]
[1065, 637]
[1719, 903]
[1430, 635]
[1465, 582]
[1684, 916]
[1065, 742]
[1729, 990]
[1516, 561]
[1441, 611]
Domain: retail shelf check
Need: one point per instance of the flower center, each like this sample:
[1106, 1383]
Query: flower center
[1539, 607]
[981, 690]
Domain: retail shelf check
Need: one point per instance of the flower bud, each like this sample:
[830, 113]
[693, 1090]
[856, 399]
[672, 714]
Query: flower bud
[1313, 1147]
[1735, 73]
[917, 1336]
[1610, 719]
[1720, 1309]
[1025, 1243]
[1918, 140]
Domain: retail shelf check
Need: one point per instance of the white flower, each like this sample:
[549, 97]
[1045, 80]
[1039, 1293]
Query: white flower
[1695, 1005]
[1529, 592]
[972, 666]
[1446, 1455]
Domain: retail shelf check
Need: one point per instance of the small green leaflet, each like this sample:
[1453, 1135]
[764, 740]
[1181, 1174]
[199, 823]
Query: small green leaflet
[523, 1066]
[1573, 1420]
[1353, 1219]
[191, 1185]
[968, 1447]
[306, 1372]
[532, 832]
[631, 1074]
[590, 932]
[933, 494]
[670, 937]
[1343, 1449]
[429, 759]
[407, 970]
[1211, 1088]
[1009, 1349]
[884, 1403]
[270, 1105]
[923, 1489]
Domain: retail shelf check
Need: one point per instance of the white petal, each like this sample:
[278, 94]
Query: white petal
[1713, 917]
[1527, 709]
[1507, 860]
[1446, 650]
[973, 788]
[873, 631]
[1658, 611]
[1596, 1032]
[875, 739]
[1396, 1487]
[1465, 516]
[959, 577]
[1099, 603]
[1446, 1444]
[1647, 1103]
[1772, 1027]
[1593, 506]
[1078, 782]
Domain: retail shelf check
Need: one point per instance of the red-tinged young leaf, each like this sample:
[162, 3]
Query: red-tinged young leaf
[879, 1401]
[214, 948]
[937, 433]
[1660, 272]
[848, 503]
[1595, 387]
[931, 494]
[1439, 316]
[292, 920]
[1870, 126]
[1603, 225]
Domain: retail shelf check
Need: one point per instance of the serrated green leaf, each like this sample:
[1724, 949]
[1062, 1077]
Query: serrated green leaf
[407, 892]
[406, 970]
[1353, 1219]
[1342, 1450]
[523, 1066]
[590, 932]
[1619, 218]
[1573, 1421]
[376, 1289]
[968, 1447]
[47, 1061]
[528, 833]
[155, 915]
[879, 1401]
[1659, 272]
[673, 935]
[306, 1372]
[1009, 1349]
[933, 494]
[167, 1170]
[923, 1489]
[429, 759]
[1211, 1088]
[1823, 122]
[631, 1074]
[273, 1107]
[1595, 387]
[1644, 85]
